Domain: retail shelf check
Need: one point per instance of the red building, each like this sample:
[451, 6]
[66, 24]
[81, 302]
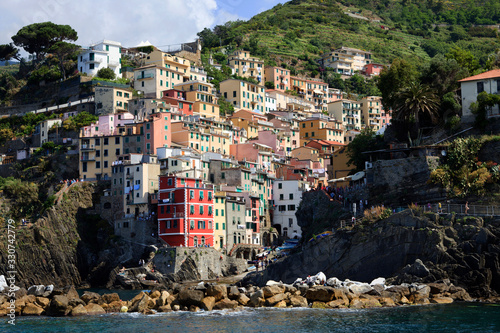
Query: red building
[178, 98]
[372, 69]
[185, 212]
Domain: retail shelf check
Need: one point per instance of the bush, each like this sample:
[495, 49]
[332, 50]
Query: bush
[106, 73]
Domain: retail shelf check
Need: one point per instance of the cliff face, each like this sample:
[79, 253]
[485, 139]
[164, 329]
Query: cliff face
[51, 250]
[464, 250]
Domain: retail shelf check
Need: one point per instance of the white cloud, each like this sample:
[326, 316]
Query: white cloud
[162, 22]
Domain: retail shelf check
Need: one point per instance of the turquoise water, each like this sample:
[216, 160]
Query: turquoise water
[432, 318]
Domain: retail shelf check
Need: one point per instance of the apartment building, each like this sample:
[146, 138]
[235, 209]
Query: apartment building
[244, 95]
[280, 77]
[152, 80]
[287, 197]
[243, 64]
[184, 66]
[220, 237]
[371, 112]
[320, 127]
[346, 60]
[105, 54]
[346, 111]
[109, 100]
[185, 212]
[204, 97]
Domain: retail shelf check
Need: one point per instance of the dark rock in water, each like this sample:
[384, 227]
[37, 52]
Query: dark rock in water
[189, 297]
[59, 306]
[417, 269]
[90, 297]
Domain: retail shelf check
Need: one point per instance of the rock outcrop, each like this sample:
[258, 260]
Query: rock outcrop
[409, 246]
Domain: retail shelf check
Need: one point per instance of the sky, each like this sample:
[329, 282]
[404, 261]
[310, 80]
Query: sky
[161, 22]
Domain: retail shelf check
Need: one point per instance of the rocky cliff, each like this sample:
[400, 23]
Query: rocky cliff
[465, 250]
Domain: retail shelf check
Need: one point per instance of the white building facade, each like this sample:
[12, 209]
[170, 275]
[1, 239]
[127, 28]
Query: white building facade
[287, 195]
[105, 54]
[473, 86]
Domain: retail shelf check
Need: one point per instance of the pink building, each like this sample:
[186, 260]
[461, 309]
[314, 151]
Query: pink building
[157, 132]
[279, 76]
[372, 69]
[108, 125]
[178, 98]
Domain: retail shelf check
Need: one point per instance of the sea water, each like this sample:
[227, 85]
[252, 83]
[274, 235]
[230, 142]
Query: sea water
[458, 317]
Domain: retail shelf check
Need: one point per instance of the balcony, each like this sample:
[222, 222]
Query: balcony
[129, 176]
[87, 147]
[87, 60]
[177, 215]
[145, 76]
[87, 158]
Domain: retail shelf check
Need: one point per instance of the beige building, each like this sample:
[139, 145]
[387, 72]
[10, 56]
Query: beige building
[153, 79]
[346, 111]
[220, 221]
[203, 94]
[320, 128]
[110, 100]
[244, 95]
[243, 64]
[97, 155]
[163, 59]
[346, 60]
[371, 112]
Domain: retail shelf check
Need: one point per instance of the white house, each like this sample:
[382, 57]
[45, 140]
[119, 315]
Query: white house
[101, 55]
[41, 133]
[474, 85]
[287, 195]
[270, 103]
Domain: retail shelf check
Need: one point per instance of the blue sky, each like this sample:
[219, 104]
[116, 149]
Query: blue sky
[162, 22]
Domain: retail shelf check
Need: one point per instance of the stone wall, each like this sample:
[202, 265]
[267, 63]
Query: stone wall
[209, 262]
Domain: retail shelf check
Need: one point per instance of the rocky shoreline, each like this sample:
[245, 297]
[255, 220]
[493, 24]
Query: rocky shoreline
[313, 293]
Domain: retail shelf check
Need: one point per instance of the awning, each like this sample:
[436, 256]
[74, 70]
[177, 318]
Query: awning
[317, 91]
[358, 176]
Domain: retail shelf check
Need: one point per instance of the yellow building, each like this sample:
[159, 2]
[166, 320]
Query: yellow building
[220, 143]
[151, 80]
[243, 64]
[190, 137]
[97, 154]
[110, 100]
[346, 111]
[371, 111]
[251, 128]
[321, 128]
[220, 221]
[244, 95]
[203, 94]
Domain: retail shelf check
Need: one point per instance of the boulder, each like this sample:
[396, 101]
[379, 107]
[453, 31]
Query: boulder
[275, 299]
[319, 305]
[360, 288]
[417, 269]
[115, 306]
[110, 298]
[257, 299]
[243, 299]
[90, 297]
[273, 283]
[79, 310]
[290, 289]
[320, 293]
[58, 306]
[338, 303]
[48, 290]
[233, 292]
[37, 290]
[340, 294]
[298, 301]
[32, 310]
[422, 290]
[163, 299]
[3, 283]
[333, 282]
[369, 301]
[378, 281]
[176, 307]
[139, 305]
[400, 290]
[270, 291]
[225, 304]
[208, 303]
[386, 301]
[164, 308]
[94, 309]
[280, 304]
[356, 303]
[189, 297]
[138, 297]
[42, 301]
[441, 300]
[193, 308]
[70, 292]
[75, 301]
[438, 288]
[219, 291]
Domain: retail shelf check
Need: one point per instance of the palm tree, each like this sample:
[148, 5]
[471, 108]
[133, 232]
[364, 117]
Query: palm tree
[414, 100]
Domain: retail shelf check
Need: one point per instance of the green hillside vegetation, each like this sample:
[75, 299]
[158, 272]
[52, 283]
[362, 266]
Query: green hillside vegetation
[305, 29]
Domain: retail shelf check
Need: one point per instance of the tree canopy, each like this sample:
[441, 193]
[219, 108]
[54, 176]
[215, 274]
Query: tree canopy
[38, 38]
[367, 140]
[9, 51]
[106, 73]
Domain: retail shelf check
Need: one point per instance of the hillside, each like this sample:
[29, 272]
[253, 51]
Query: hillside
[300, 31]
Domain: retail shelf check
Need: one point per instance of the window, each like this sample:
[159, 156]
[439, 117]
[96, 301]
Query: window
[192, 209]
[201, 195]
[97, 142]
[216, 226]
[480, 87]
[291, 208]
[191, 223]
[169, 182]
[201, 210]
[280, 185]
[282, 197]
[105, 152]
[97, 153]
[106, 165]
[106, 141]
[290, 196]
[98, 165]
[209, 196]
[210, 209]
[282, 208]
[191, 194]
[290, 223]
[117, 151]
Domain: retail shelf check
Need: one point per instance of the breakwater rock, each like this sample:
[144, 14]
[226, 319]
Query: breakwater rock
[463, 249]
[330, 293]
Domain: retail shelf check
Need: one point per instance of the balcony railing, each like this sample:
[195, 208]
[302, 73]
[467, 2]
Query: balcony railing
[87, 147]
[145, 76]
[87, 158]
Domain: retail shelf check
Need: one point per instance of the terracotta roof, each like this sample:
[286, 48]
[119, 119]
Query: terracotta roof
[486, 75]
